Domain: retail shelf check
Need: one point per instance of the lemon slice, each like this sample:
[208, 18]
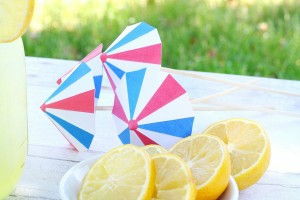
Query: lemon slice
[174, 179]
[15, 15]
[154, 149]
[249, 149]
[126, 172]
[208, 159]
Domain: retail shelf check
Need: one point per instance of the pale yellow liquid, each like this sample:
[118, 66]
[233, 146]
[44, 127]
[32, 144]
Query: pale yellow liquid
[13, 115]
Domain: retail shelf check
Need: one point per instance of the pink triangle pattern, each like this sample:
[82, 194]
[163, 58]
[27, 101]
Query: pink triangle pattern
[149, 54]
[83, 102]
[169, 90]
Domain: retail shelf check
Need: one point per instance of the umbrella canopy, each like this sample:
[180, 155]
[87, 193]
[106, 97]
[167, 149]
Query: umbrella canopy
[137, 47]
[93, 61]
[151, 107]
[71, 107]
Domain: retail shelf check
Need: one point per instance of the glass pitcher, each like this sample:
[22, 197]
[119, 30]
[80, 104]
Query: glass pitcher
[13, 115]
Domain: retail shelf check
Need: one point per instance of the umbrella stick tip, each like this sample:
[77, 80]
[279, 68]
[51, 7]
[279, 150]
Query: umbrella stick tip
[43, 107]
[103, 57]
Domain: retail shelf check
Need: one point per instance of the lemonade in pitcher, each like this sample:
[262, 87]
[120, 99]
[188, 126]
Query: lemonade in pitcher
[13, 115]
[14, 18]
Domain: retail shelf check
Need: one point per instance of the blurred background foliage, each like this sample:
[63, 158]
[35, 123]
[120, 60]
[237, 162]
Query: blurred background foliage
[247, 37]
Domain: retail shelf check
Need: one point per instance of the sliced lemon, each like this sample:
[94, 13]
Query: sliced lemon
[154, 149]
[249, 148]
[15, 15]
[174, 179]
[208, 159]
[126, 172]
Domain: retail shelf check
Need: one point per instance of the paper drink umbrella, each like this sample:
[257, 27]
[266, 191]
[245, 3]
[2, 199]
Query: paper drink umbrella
[151, 107]
[137, 47]
[93, 61]
[71, 107]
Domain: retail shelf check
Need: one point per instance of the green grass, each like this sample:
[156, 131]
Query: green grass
[235, 37]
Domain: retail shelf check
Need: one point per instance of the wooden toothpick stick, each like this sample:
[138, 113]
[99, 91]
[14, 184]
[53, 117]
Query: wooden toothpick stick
[227, 107]
[219, 94]
[199, 76]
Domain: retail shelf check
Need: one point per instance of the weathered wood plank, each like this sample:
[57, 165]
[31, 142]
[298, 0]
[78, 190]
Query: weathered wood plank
[41, 178]
[270, 191]
[59, 153]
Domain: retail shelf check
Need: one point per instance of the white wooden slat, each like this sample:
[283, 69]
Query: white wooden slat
[41, 178]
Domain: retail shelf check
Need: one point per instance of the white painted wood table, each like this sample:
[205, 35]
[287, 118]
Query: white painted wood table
[50, 155]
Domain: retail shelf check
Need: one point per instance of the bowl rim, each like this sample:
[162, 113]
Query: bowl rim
[69, 172]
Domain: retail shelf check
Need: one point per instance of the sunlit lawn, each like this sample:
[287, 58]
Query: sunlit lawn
[236, 37]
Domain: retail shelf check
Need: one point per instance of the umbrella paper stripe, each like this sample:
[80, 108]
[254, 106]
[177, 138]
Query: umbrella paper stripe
[73, 141]
[109, 76]
[81, 135]
[178, 127]
[135, 140]
[82, 120]
[125, 136]
[115, 69]
[140, 30]
[149, 54]
[83, 102]
[162, 139]
[97, 83]
[79, 72]
[146, 140]
[149, 39]
[85, 83]
[94, 53]
[95, 64]
[169, 90]
[118, 110]
[122, 93]
[129, 66]
[127, 30]
[120, 124]
[134, 84]
[66, 75]
[152, 81]
[170, 111]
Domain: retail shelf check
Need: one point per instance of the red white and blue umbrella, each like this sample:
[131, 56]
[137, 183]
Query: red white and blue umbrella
[71, 107]
[93, 61]
[151, 107]
[138, 46]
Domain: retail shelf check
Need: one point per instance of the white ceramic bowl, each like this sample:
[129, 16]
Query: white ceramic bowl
[71, 182]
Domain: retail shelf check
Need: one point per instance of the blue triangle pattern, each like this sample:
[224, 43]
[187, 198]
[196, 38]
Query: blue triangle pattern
[81, 135]
[97, 83]
[178, 127]
[140, 30]
[134, 83]
[125, 136]
[79, 72]
[116, 70]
